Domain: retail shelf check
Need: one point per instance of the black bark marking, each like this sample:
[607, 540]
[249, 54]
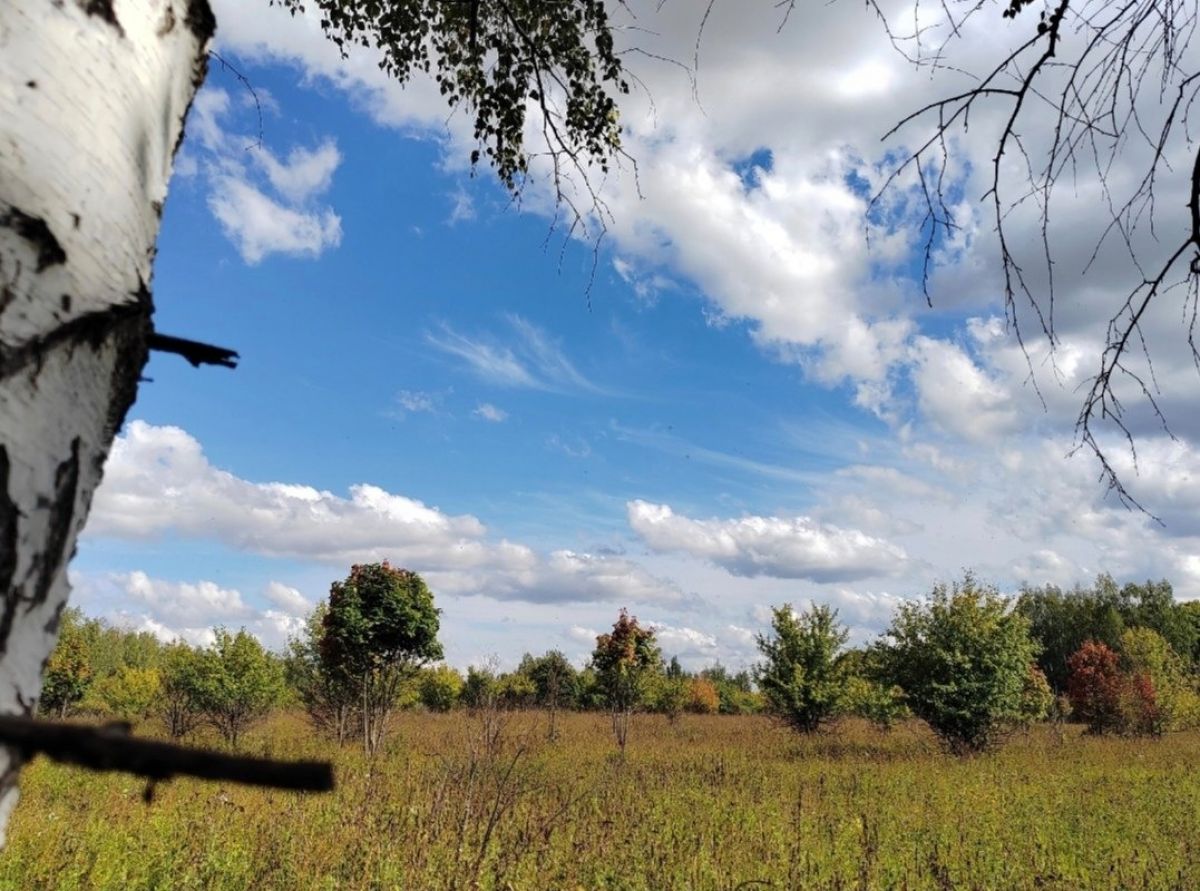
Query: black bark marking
[132, 353]
[61, 522]
[36, 232]
[65, 302]
[102, 9]
[200, 20]
[51, 556]
[52, 627]
[92, 328]
[32, 84]
[168, 22]
[10, 516]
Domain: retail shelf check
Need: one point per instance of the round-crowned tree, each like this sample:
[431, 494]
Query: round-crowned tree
[380, 627]
[801, 680]
[625, 661]
[962, 658]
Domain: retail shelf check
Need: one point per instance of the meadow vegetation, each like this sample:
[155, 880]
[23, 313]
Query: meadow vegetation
[942, 755]
[707, 802]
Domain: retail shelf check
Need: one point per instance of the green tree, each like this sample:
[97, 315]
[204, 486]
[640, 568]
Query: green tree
[626, 662]
[800, 679]
[69, 670]
[480, 687]
[962, 658]
[179, 699]
[669, 694]
[1146, 652]
[440, 688]
[130, 694]
[327, 692]
[516, 690]
[237, 682]
[380, 628]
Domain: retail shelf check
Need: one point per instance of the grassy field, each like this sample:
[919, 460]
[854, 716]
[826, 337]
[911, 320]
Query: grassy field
[709, 803]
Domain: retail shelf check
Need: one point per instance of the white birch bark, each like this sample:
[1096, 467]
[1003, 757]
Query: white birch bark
[93, 94]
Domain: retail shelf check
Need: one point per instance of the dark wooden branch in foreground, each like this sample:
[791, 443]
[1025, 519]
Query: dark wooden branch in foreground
[112, 748]
[195, 352]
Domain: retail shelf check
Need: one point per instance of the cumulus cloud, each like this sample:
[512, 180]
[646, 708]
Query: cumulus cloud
[259, 225]
[158, 481]
[190, 611]
[781, 547]
[185, 602]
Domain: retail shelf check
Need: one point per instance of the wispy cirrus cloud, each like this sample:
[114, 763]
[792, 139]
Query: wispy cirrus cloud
[530, 359]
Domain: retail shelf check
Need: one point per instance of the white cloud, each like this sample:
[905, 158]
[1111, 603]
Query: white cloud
[240, 173]
[463, 209]
[792, 547]
[489, 412]
[532, 361]
[184, 601]
[683, 641]
[414, 401]
[260, 226]
[305, 174]
[290, 601]
[158, 482]
[190, 611]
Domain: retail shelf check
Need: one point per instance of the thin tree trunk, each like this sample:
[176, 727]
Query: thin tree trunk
[92, 99]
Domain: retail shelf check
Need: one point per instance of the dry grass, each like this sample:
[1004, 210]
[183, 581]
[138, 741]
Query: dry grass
[711, 803]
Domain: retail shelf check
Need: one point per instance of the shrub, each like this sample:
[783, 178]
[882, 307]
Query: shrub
[237, 682]
[440, 688]
[882, 705]
[131, 694]
[702, 697]
[962, 658]
[179, 689]
[800, 679]
[1037, 699]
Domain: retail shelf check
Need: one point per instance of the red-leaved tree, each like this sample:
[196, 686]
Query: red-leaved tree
[1094, 685]
[1109, 699]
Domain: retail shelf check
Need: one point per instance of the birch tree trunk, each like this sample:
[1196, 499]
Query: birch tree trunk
[93, 95]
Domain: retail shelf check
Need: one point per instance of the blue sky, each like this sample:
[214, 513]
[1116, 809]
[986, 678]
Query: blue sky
[745, 406]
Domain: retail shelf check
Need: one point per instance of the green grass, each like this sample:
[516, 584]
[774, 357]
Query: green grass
[710, 803]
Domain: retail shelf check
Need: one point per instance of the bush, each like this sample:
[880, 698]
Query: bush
[800, 680]
[883, 706]
[131, 694]
[702, 697]
[440, 688]
[962, 659]
[1037, 699]
[179, 689]
[237, 682]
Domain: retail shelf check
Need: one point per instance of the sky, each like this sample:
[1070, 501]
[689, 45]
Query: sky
[733, 400]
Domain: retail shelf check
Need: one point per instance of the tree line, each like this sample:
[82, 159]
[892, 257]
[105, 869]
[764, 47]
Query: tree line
[968, 661]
